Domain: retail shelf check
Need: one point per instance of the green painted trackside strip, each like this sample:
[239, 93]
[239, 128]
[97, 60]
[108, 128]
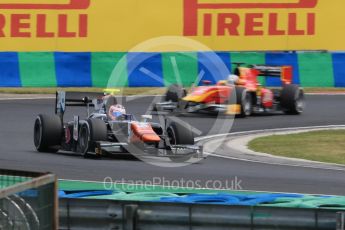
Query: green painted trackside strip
[37, 69]
[149, 192]
[316, 69]
[7, 181]
[180, 68]
[248, 58]
[103, 69]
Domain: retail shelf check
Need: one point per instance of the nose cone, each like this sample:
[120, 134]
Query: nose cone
[150, 138]
[144, 132]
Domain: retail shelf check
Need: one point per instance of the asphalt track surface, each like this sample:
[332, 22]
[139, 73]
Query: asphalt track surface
[17, 151]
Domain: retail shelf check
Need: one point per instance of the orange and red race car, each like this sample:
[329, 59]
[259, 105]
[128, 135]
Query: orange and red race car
[241, 94]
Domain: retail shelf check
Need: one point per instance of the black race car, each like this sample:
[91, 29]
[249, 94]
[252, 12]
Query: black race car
[98, 135]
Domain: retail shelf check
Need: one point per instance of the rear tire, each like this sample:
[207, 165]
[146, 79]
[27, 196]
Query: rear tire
[48, 133]
[175, 93]
[180, 135]
[90, 132]
[292, 99]
[244, 99]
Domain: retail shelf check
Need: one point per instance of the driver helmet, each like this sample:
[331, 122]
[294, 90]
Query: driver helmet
[118, 110]
[233, 79]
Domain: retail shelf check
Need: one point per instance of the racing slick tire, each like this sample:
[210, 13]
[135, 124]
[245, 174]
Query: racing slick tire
[48, 133]
[292, 99]
[175, 93]
[91, 131]
[244, 99]
[179, 134]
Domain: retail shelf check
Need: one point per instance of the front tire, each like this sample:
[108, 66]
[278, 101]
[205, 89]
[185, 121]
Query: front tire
[292, 99]
[48, 133]
[244, 99]
[179, 134]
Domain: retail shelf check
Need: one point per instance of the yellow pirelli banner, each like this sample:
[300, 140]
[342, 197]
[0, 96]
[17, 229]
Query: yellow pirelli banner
[222, 25]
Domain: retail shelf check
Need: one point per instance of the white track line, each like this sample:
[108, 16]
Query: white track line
[279, 164]
[267, 130]
[325, 167]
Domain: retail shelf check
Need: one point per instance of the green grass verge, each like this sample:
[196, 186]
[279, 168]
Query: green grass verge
[128, 91]
[323, 90]
[324, 146]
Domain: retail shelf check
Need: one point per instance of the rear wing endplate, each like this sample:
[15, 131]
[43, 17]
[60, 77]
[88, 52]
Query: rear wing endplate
[284, 72]
[65, 99]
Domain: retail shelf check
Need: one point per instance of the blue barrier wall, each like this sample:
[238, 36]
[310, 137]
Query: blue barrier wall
[85, 69]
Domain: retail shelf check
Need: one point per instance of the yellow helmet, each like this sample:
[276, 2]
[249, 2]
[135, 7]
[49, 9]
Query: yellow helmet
[111, 91]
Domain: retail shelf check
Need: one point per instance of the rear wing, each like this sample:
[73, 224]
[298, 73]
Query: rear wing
[284, 72]
[64, 99]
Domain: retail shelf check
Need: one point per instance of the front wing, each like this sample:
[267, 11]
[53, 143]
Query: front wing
[233, 109]
[106, 148]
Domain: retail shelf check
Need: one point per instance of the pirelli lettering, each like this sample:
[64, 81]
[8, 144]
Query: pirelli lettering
[15, 23]
[248, 19]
